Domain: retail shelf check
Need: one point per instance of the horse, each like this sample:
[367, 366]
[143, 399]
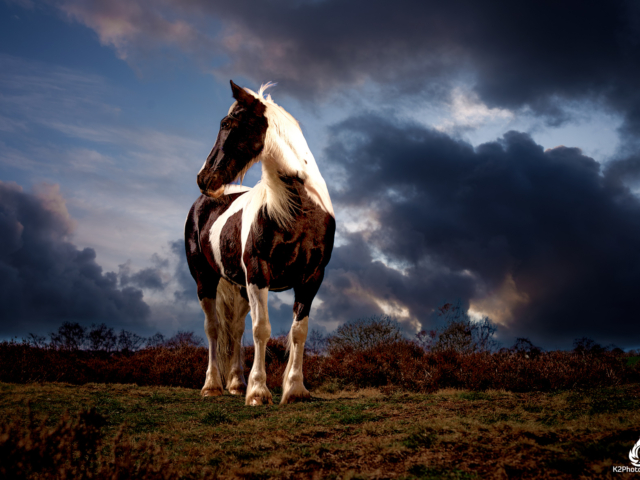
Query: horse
[243, 242]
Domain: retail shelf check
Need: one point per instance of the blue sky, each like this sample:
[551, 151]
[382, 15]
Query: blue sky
[108, 110]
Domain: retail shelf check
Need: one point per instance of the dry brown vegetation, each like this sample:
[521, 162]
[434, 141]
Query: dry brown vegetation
[444, 406]
[127, 431]
[400, 363]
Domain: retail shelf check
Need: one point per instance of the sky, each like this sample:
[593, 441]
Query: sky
[486, 153]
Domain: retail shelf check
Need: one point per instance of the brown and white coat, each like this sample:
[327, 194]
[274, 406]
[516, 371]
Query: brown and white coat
[243, 242]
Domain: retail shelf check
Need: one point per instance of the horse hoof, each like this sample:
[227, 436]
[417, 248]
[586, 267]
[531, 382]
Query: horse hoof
[293, 397]
[211, 392]
[255, 401]
[237, 391]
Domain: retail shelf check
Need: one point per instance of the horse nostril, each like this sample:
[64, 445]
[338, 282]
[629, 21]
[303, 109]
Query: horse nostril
[202, 180]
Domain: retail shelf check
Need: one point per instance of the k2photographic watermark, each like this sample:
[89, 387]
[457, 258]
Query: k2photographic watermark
[634, 457]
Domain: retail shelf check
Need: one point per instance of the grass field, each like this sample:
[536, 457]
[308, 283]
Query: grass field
[351, 434]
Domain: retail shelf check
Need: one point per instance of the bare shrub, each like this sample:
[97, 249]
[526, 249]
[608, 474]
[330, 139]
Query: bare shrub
[525, 348]
[183, 339]
[316, 343]
[129, 342]
[587, 346]
[102, 338]
[365, 333]
[70, 336]
[459, 333]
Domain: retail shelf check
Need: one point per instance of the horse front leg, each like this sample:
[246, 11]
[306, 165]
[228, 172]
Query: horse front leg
[213, 383]
[293, 388]
[257, 391]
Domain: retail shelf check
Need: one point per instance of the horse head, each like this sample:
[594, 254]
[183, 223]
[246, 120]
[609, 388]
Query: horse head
[239, 143]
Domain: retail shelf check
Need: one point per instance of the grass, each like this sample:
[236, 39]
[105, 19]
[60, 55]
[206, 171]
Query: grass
[367, 433]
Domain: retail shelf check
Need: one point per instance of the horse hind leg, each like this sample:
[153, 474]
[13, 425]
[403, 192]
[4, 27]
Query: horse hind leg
[232, 307]
[213, 382]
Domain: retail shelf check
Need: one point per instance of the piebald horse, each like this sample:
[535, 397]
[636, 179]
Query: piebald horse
[243, 242]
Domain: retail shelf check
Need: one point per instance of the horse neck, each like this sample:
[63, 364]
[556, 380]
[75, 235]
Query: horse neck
[291, 159]
[279, 199]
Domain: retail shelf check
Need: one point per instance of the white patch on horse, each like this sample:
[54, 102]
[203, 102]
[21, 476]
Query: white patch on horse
[250, 203]
[218, 225]
[233, 188]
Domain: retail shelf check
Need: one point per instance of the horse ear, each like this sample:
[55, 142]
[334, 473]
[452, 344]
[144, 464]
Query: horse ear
[240, 94]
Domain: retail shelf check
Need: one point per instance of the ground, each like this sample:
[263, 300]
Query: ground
[361, 434]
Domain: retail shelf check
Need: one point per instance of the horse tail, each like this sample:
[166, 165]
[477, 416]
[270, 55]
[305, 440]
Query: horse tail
[225, 310]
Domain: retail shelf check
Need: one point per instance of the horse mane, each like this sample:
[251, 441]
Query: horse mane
[285, 153]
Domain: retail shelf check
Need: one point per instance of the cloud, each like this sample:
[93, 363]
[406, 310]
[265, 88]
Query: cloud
[45, 279]
[186, 290]
[147, 278]
[65, 128]
[542, 241]
[137, 30]
[515, 54]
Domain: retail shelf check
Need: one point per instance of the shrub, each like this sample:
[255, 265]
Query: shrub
[365, 353]
[396, 364]
[525, 348]
[365, 333]
[587, 346]
[316, 342]
[102, 338]
[458, 332]
[70, 336]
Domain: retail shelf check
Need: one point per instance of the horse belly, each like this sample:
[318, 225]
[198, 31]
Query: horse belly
[283, 260]
[291, 267]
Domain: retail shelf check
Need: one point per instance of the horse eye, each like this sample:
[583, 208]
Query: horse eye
[224, 124]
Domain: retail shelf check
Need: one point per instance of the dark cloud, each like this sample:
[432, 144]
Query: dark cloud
[45, 279]
[530, 53]
[518, 54]
[543, 239]
[186, 289]
[625, 171]
[358, 286]
[149, 278]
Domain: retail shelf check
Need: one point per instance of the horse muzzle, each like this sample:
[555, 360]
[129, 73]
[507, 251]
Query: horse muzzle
[211, 184]
[213, 193]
